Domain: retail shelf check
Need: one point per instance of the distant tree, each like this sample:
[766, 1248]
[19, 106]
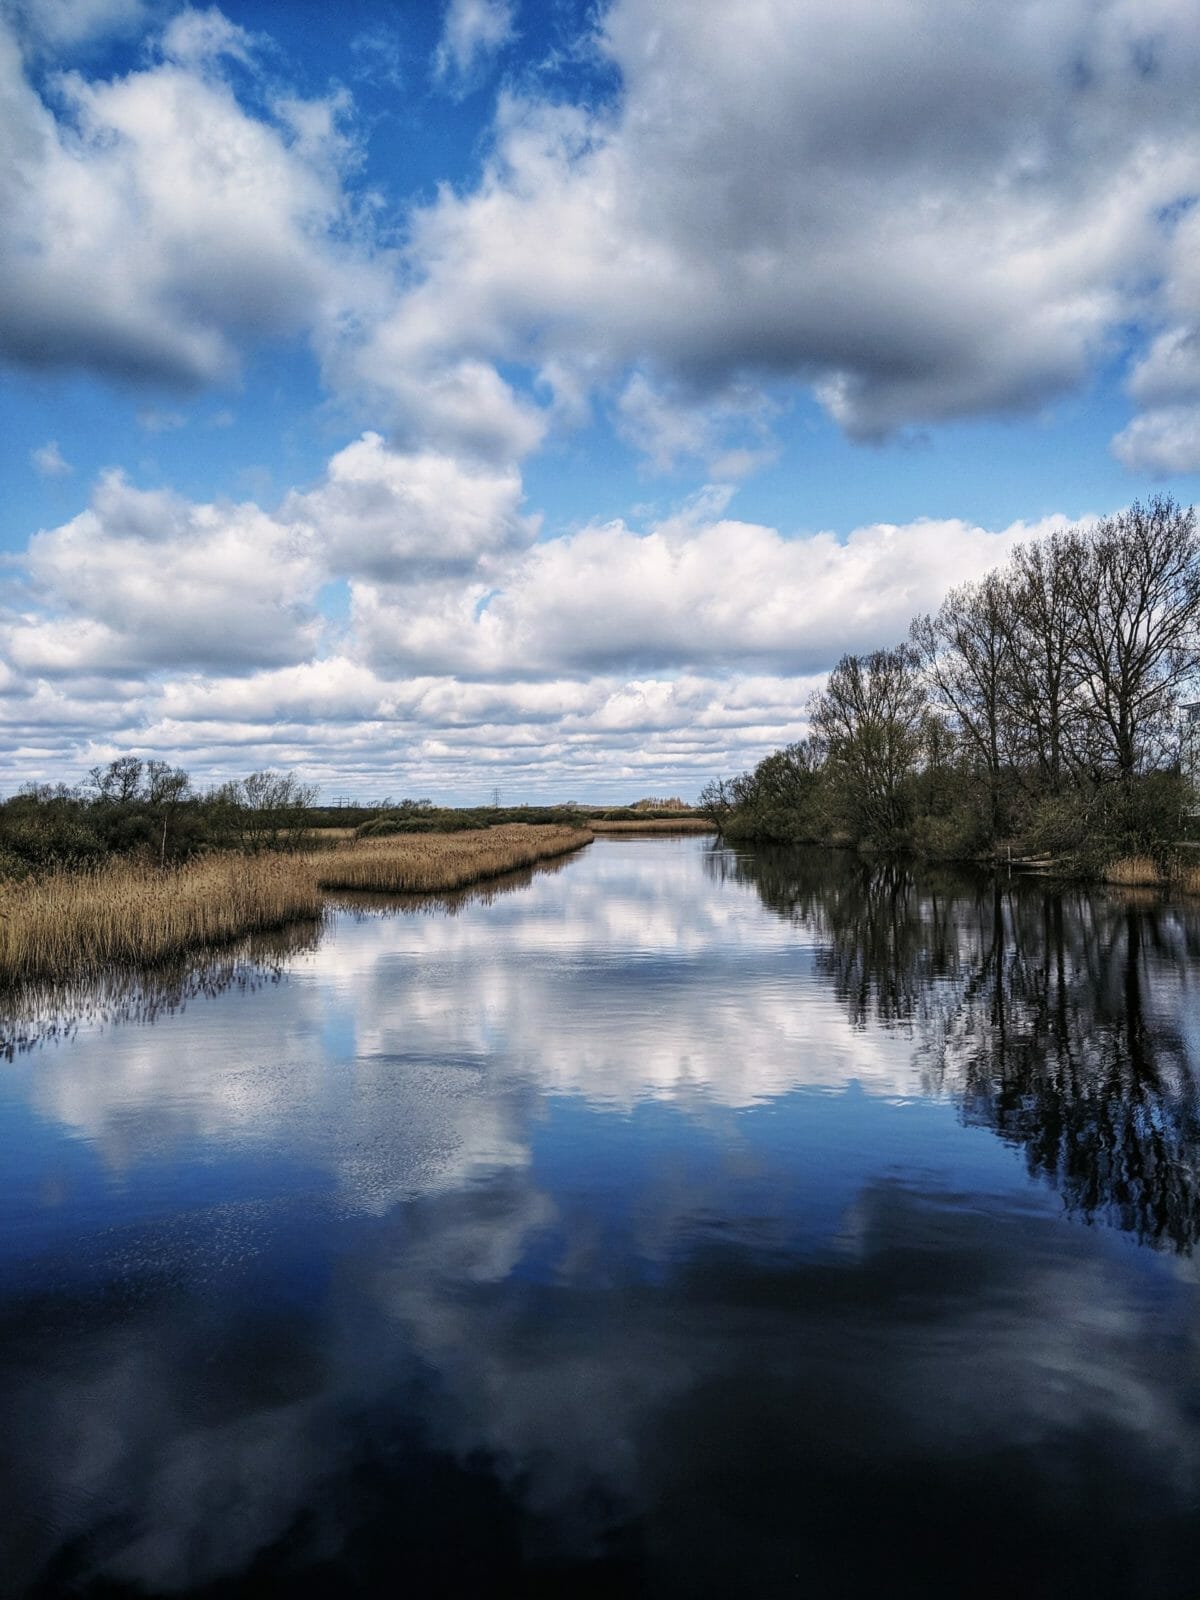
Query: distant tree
[120, 782]
[166, 786]
[266, 810]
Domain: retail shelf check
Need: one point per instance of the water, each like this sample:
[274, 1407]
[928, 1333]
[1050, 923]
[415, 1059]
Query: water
[673, 1221]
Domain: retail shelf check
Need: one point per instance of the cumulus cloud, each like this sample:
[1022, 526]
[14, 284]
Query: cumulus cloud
[924, 215]
[56, 23]
[144, 579]
[1163, 440]
[472, 32]
[152, 225]
[918, 214]
[667, 429]
[392, 515]
[611, 657]
[1165, 381]
[697, 590]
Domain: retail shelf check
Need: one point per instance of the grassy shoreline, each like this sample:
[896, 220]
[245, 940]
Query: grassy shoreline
[654, 825]
[67, 925]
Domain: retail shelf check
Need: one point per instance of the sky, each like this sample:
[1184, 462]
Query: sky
[437, 398]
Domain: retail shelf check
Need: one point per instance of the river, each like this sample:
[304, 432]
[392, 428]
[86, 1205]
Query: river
[673, 1220]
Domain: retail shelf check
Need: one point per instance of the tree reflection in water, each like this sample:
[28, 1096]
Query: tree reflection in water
[1055, 1016]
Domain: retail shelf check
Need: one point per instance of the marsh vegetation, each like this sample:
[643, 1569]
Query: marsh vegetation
[76, 922]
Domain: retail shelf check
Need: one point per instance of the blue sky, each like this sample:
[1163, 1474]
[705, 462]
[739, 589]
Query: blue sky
[434, 398]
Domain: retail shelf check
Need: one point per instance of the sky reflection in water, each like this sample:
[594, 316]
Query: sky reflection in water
[676, 1221]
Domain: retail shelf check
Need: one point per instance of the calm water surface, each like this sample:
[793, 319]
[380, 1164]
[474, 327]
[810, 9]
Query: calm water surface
[674, 1222]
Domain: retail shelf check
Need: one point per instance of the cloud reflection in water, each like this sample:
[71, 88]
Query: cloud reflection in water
[623, 1227]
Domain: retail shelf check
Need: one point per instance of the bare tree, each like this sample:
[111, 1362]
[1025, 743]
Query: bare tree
[717, 802]
[268, 809]
[1042, 681]
[120, 782]
[966, 651]
[166, 786]
[869, 720]
[1137, 593]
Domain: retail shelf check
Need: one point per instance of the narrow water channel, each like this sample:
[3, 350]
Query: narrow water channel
[671, 1221]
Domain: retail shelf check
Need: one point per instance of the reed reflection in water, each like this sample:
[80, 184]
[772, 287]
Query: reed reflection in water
[678, 1222]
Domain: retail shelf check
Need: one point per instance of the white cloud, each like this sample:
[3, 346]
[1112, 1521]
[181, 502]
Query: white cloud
[668, 428]
[153, 226]
[391, 515]
[58, 23]
[48, 461]
[922, 214]
[1164, 439]
[195, 38]
[698, 590]
[472, 32]
[919, 214]
[156, 420]
[610, 661]
[144, 579]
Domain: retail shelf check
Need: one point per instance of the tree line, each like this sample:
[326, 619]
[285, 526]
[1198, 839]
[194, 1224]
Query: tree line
[1038, 705]
[151, 809]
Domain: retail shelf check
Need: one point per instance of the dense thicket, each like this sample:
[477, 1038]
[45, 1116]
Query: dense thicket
[1038, 705]
[149, 809]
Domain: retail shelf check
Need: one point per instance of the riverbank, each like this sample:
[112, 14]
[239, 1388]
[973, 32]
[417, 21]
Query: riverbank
[1173, 870]
[656, 825]
[65, 925]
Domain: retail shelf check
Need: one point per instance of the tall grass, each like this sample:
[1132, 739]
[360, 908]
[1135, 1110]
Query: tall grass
[1179, 874]
[81, 924]
[1133, 872]
[70, 925]
[430, 863]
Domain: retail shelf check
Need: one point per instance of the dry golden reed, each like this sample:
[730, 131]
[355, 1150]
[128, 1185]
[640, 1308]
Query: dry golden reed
[1133, 872]
[70, 925]
[431, 863]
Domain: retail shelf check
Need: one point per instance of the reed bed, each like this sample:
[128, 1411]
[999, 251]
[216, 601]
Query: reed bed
[433, 863]
[71, 926]
[1134, 872]
[82, 924]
